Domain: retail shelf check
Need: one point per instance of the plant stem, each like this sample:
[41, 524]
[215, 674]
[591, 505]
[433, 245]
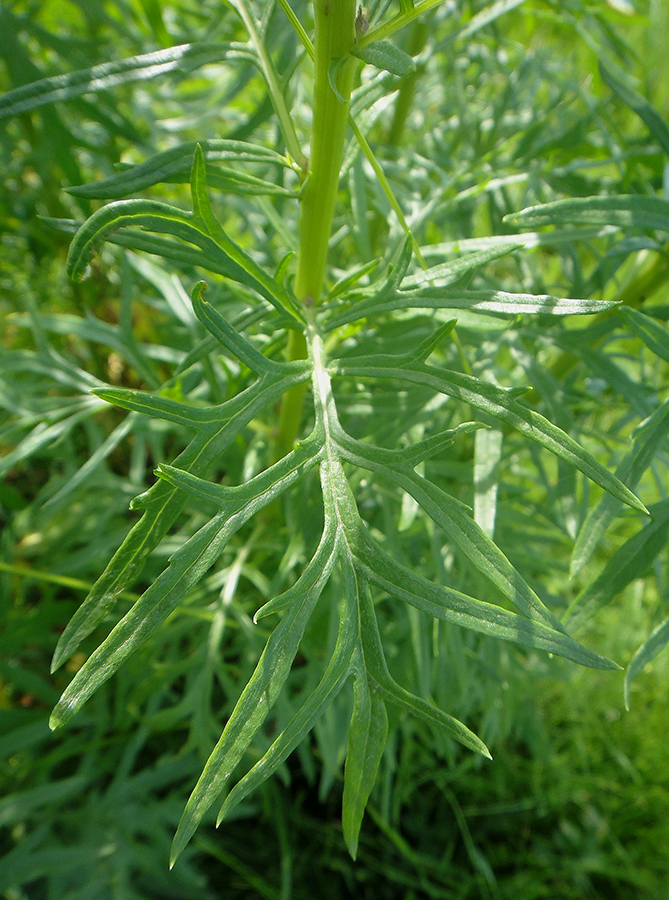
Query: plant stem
[405, 97]
[276, 93]
[335, 36]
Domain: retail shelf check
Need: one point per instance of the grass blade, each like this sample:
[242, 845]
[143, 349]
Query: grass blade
[646, 111]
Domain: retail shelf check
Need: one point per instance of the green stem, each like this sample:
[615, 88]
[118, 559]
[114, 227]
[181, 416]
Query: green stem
[335, 36]
[276, 93]
[405, 97]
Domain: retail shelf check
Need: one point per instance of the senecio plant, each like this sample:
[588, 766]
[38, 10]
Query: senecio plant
[326, 371]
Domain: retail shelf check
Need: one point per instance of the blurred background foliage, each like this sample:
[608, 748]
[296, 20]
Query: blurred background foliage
[576, 803]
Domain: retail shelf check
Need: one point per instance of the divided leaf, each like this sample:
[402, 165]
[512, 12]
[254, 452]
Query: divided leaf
[183, 58]
[623, 210]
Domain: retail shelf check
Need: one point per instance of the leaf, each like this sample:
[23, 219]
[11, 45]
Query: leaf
[629, 562]
[649, 438]
[161, 407]
[366, 741]
[377, 669]
[654, 335]
[262, 689]
[245, 352]
[304, 456]
[453, 606]
[163, 218]
[501, 404]
[484, 301]
[183, 58]
[389, 297]
[385, 55]
[453, 518]
[646, 112]
[455, 269]
[163, 503]
[187, 566]
[624, 211]
[268, 288]
[645, 654]
[182, 254]
[175, 165]
[303, 721]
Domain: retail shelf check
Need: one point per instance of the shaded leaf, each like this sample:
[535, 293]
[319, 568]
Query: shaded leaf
[629, 562]
[366, 741]
[646, 111]
[649, 438]
[183, 58]
[625, 211]
[645, 654]
[501, 404]
[649, 330]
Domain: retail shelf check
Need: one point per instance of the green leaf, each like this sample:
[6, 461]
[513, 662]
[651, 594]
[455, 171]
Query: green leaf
[385, 55]
[305, 455]
[453, 606]
[183, 58]
[245, 352]
[262, 689]
[500, 403]
[174, 165]
[646, 652]
[162, 407]
[455, 269]
[629, 562]
[649, 438]
[366, 741]
[187, 566]
[654, 335]
[483, 301]
[163, 503]
[377, 668]
[163, 218]
[453, 518]
[624, 211]
[646, 112]
[337, 671]
[263, 283]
